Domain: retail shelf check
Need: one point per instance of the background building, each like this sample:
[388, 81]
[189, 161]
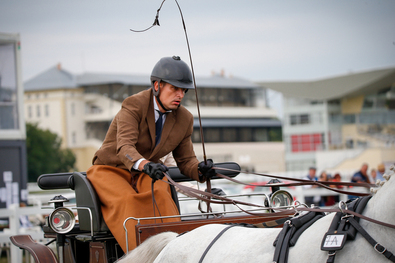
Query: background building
[340, 122]
[13, 172]
[237, 124]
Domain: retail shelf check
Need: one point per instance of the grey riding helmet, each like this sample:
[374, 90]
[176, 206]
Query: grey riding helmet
[173, 71]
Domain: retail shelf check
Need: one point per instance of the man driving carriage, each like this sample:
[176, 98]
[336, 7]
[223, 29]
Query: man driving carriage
[129, 159]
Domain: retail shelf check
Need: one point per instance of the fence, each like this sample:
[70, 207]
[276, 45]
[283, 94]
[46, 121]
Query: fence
[13, 213]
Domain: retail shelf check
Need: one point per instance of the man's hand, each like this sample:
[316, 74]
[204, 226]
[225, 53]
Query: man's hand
[206, 169]
[155, 170]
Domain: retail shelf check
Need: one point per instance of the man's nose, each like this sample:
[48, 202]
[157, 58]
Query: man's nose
[180, 93]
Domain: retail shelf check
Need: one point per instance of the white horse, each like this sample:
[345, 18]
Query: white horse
[241, 244]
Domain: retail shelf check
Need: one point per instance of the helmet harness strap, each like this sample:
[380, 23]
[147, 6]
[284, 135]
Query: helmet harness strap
[158, 99]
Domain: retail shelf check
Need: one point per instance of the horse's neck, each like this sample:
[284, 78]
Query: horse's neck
[381, 205]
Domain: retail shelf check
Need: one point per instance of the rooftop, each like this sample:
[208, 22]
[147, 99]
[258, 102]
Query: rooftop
[350, 85]
[58, 78]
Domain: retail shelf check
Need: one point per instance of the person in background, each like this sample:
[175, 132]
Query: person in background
[360, 177]
[324, 177]
[336, 178]
[380, 172]
[373, 175]
[311, 200]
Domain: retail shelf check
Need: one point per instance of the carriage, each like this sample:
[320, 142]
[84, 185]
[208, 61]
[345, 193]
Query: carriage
[225, 237]
[88, 239]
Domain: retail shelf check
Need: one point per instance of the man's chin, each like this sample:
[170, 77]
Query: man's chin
[174, 106]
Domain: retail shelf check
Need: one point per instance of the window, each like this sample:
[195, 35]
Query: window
[335, 118]
[261, 135]
[29, 111]
[46, 110]
[293, 120]
[212, 135]
[237, 134]
[349, 118]
[74, 138]
[307, 142]
[72, 109]
[245, 135]
[9, 114]
[38, 111]
[196, 135]
[299, 119]
[229, 135]
[304, 119]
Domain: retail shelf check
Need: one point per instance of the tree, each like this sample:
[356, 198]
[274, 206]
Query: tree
[44, 154]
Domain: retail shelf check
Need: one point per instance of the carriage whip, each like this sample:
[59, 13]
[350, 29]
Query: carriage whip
[156, 23]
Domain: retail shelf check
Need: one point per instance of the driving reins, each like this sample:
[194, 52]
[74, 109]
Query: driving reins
[209, 197]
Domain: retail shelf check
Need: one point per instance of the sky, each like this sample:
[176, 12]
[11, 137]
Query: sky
[258, 40]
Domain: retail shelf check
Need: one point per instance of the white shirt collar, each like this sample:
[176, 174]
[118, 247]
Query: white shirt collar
[156, 109]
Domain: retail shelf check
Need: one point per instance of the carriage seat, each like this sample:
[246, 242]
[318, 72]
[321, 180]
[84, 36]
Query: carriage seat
[86, 196]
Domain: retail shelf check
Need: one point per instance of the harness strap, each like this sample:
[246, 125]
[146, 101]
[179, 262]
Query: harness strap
[280, 241]
[213, 241]
[290, 233]
[377, 247]
[298, 232]
[340, 225]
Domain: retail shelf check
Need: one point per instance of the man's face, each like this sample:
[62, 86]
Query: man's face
[312, 173]
[170, 96]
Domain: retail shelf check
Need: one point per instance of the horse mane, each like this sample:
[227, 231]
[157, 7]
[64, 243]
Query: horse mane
[150, 249]
[387, 175]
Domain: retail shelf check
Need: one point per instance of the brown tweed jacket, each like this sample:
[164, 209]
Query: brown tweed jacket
[131, 136]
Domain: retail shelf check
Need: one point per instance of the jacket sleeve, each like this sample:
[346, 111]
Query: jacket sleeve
[128, 131]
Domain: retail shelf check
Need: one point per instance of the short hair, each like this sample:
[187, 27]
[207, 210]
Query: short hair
[381, 167]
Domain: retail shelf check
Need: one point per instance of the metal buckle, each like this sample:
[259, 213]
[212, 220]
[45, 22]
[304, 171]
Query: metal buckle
[341, 205]
[346, 216]
[288, 222]
[381, 252]
[295, 206]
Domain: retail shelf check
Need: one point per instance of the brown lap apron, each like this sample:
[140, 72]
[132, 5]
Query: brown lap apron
[119, 200]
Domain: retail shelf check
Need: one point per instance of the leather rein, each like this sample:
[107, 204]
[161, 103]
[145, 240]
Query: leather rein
[296, 208]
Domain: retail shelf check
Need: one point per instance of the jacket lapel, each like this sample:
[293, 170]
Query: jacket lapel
[151, 122]
[169, 123]
[167, 128]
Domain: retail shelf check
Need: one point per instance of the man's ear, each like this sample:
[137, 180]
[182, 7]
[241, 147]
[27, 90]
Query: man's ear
[156, 85]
